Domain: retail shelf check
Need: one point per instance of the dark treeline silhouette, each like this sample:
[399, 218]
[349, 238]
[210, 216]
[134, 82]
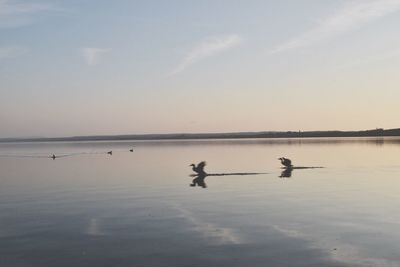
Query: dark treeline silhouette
[237, 135]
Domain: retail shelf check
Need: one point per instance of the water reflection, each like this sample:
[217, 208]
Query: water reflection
[286, 173]
[201, 174]
[288, 167]
[199, 181]
[353, 206]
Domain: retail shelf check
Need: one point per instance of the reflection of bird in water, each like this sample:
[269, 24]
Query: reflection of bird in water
[287, 170]
[286, 162]
[201, 174]
[286, 173]
[109, 152]
[199, 180]
[199, 169]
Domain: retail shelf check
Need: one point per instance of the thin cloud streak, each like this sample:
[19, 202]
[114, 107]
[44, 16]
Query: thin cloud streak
[91, 55]
[209, 47]
[12, 51]
[351, 16]
[16, 13]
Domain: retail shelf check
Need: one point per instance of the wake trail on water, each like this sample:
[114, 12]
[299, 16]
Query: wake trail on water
[301, 167]
[233, 174]
[57, 155]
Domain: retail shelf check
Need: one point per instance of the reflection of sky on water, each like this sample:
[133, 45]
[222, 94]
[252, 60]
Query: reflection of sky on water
[210, 231]
[94, 227]
[137, 208]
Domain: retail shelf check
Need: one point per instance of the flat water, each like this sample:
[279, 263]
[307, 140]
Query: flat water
[137, 208]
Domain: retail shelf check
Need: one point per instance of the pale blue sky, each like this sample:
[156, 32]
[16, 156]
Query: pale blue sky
[120, 67]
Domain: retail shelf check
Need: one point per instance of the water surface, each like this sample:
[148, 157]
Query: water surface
[138, 208]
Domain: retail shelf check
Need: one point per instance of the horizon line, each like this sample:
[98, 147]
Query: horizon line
[199, 135]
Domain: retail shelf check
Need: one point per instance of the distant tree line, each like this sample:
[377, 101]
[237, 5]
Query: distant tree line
[288, 134]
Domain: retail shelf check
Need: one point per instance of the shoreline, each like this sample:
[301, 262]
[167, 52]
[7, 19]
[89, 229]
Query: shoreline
[220, 136]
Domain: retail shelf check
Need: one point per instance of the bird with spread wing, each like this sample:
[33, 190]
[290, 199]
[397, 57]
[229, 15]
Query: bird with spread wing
[199, 169]
[286, 162]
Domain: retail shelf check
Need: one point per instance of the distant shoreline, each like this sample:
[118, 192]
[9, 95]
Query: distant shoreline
[234, 135]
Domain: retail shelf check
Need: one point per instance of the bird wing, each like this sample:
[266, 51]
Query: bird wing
[201, 165]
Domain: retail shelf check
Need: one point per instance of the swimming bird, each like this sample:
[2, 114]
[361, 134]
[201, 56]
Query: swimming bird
[53, 157]
[131, 150]
[109, 152]
[199, 169]
[286, 162]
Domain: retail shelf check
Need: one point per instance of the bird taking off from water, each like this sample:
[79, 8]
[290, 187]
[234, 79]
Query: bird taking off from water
[286, 162]
[199, 169]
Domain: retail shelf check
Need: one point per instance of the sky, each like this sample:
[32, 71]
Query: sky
[96, 67]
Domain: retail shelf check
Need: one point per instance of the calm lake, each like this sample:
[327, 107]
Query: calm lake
[137, 208]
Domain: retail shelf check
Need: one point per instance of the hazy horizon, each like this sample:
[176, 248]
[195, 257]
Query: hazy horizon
[194, 133]
[74, 68]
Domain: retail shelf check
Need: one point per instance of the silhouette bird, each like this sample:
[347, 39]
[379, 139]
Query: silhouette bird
[131, 150]
[109, 152]
[53, 157]
[199, 169]
[286, 162]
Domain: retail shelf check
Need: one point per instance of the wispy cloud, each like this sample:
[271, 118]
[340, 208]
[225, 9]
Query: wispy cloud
[18, 13]
[206, 48]
[351, 16]
[12, 51]
[91, 55]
